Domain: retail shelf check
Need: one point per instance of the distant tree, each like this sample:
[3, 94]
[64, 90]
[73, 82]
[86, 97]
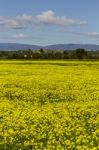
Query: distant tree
[65, 54]
[42, 53]
[81, 53]
[58, 55]
[28, 54]
[41, 50]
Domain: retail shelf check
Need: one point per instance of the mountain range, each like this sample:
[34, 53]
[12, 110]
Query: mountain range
[16, 46]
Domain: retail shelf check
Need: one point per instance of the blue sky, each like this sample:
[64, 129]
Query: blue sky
[45, 22]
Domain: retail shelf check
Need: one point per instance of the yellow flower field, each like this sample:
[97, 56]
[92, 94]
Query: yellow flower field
[49, 105]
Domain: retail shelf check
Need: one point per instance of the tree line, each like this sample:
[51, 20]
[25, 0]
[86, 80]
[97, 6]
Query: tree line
[50, 54]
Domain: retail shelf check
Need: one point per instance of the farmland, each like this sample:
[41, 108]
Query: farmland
[49, 105]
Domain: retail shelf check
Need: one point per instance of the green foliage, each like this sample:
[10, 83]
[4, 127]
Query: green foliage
[49, 54]
[81, 53]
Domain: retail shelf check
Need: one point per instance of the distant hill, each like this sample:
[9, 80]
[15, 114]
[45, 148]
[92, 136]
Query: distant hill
[73, 46]
[15, 46]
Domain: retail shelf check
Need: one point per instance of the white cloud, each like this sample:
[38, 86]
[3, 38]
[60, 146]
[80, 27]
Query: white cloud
[47, 17]
[2, 20]
[88, 34]
[93, 34]
[10, 23]
[17, 36]
[21, 36]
